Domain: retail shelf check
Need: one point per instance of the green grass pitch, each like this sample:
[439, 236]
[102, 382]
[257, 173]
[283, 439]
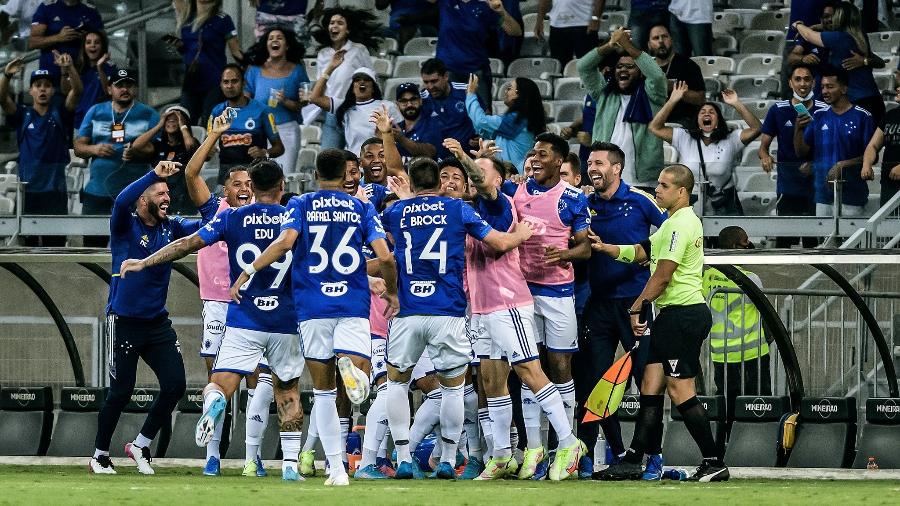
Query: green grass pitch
[71, 485]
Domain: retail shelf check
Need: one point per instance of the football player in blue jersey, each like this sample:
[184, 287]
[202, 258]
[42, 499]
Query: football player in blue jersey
[138, 324]
[429, 234]
[261, 322]
[328, 230]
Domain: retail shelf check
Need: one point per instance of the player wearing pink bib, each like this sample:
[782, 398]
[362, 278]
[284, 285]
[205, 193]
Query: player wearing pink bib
[503, 320]
[559, 215]
[213, 275]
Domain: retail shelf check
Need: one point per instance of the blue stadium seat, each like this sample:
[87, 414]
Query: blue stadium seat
[132, 420]
[679, 448]
[271, 448]
[754, 433]
[880, 437]
[26, 420]
[76, 422]
[826, 434]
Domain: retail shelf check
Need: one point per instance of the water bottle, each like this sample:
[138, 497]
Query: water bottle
[599, 453]
[872, 465]
[674, 474]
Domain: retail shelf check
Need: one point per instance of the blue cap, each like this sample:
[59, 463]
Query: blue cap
[42, 74]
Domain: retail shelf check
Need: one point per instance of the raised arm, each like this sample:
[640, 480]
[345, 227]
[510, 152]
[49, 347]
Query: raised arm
[12, 68]
[808, 34]
[392, 160]
[509, 24]
[657, 125]
[144, 143]
[317, 95]
[175, 250]
[472, 169]
[64, 61]
[121, 211]
[196, 186]
[730, 97]
[484, 124]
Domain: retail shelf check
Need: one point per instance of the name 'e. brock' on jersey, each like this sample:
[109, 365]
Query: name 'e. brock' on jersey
[329, 271]
[429, 235]
[266, 301]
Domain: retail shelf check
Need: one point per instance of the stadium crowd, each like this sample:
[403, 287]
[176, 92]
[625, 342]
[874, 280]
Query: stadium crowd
[572, 223]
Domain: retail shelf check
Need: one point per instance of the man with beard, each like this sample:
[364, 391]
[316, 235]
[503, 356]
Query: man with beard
[620, 214]
[677, 67]
[105, 137]
[137, 322]
[794, 183]
[626, 102]
[214, 278]
[445, 103]
[246, 139]
[416, 135]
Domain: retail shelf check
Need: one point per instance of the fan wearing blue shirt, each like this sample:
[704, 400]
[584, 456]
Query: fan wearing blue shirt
[42, 134]
[795, 188]
[260, 321]
[618, 212]
[835, 139]
[58, 25]
[417, 134]
[137, 321]
[444, 102]
[429, 233]
[327, 230]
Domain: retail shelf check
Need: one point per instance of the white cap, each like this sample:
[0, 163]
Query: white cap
[365, 71]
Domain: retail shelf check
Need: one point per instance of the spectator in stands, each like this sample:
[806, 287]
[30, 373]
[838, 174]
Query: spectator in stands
[250, 133]
[354, 109]
[807, 53]
[445, 103]
[794, 184]
[94, 68]
[465, 26]
[737, 346]
[504, 46]
[709, 148]
[626, 102]
[888, 137]
[205, 31]
[417, 134]
[573, 27]
[835, 138]
[175, 144]
[274, 77]
[644, 15]
[515, 130]
[59, 26]
[288, 14]
[22, 10]
[677, 67]
[105, 136]
[848, 48]
[42, 134]
[351, 33]
[691, 24]
[409, 17]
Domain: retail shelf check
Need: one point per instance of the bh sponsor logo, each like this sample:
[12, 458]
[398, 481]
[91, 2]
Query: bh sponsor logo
[267, 303]
[422, 288]
[335, 289]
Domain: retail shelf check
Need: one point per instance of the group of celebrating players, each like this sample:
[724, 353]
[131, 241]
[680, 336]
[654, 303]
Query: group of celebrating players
[414, 276]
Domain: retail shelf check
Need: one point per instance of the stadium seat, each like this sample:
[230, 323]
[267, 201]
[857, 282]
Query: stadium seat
[679, 448]
[571, 69]
[310, 134]
[497, 67]
[566, 111]
[768, 41]
[880, 438]
[306, 159]
[390, 85]
[770, 20]
[757, 182]
[886, 85]
[387, 46]
[182, 444]
[533, 47]
[759, 65]
[826, 434]
[754, 87]
[669, 153]
[544, 87]
[713, 86]
[26, 420]
[528, 22]
[884, 42]
[238, 442]
[312, 68]
[77, 419]
[724, 44]
[610, 21]
[890, 105]
[409, 66]
[382, 67]
[534, 68]
[132, 420]
[758, 203]
[569, 88]
[726, 22]
[420, 46]
[7, 206]
[713, 66]
[759, 108]
[754, 433]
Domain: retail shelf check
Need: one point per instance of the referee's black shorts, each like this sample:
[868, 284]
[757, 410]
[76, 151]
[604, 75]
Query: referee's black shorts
[675, 339]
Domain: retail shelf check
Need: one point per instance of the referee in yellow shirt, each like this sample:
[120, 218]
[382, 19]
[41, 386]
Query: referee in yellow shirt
[683, 323]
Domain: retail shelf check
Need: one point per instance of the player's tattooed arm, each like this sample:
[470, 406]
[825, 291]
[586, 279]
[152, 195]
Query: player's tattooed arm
[472, 169]
[171, 252]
